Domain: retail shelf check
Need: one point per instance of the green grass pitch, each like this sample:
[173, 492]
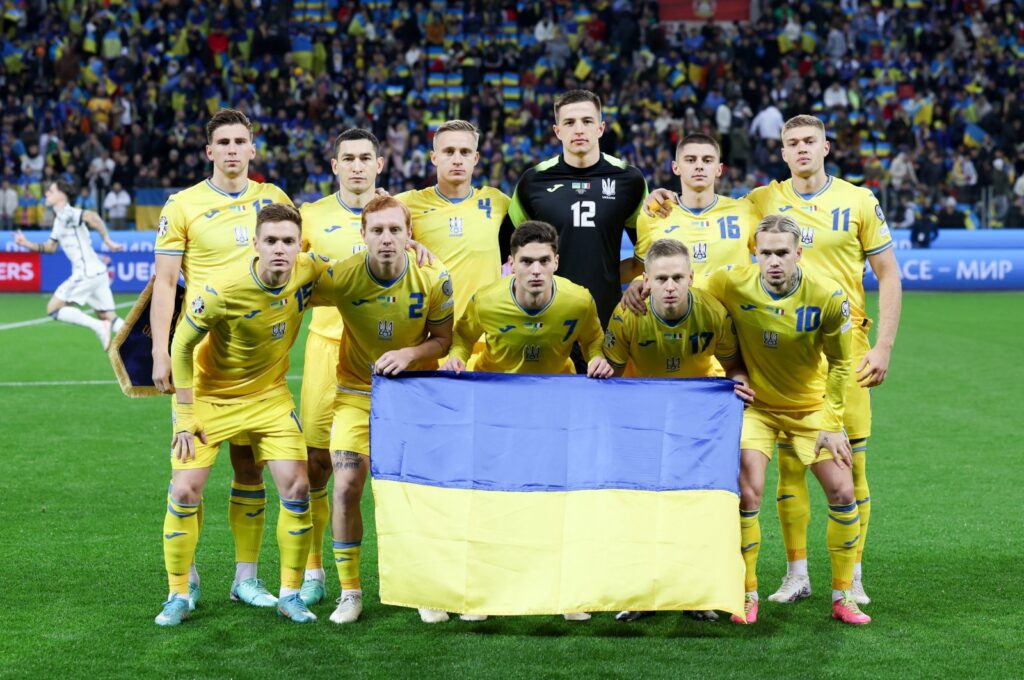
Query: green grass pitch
[85, 476]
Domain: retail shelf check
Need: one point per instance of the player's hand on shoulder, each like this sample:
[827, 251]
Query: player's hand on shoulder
[380, 191]
[659, 203]
[635, 296]
[393, 362]
[600, 368]
[838, 444]
[454, 364]
[423, 255]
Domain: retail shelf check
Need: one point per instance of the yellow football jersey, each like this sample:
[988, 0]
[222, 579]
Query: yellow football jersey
[716, 236]
[331, 228]
[463, 233]
[681, 349]
[841, 225]
[381, 316]
[212, 229]
[522, 341]
[782, 339]
[251, 328]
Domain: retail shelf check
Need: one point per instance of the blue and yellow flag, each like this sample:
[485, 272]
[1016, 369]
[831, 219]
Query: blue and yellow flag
[521, 494]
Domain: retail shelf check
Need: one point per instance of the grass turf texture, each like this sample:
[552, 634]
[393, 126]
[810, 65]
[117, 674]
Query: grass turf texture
[85, 478]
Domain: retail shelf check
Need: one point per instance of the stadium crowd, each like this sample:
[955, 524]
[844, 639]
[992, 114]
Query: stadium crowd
[924, 101]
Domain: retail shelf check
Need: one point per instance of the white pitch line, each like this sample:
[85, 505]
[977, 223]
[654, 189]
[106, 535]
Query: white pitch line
[76, 383]
[36, 322]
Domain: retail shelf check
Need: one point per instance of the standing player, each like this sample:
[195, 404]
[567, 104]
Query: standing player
[530, 321]
[686, 333]
[203, 230]
[234, 384]
[332, 228]
[398, 316]
[455, 221]
[785, 320]
[589, 198]
[841, 226]
[88, 283]
[715, 228]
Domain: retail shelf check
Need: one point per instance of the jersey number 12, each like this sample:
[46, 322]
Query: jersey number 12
[583, 213]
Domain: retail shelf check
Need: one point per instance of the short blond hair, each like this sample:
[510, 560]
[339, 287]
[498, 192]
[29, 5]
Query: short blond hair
[457, 125]
[803, 120]
[666, 247]
[778, 224]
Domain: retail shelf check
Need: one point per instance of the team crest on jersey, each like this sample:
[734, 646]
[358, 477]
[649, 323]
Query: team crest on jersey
[241, 236]
[198, 305]
[455, 226]
[531, 352]
[807, 236]
[534, 325]
[700, 251]
[672, 364]
[607, 188]
[277, 330]
[581, 187]
[771, 339]
[161, 228]
[385, 329]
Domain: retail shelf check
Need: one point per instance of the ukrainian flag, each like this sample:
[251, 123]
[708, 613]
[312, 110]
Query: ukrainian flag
[148, 204]
[559, 504]
[974, 135]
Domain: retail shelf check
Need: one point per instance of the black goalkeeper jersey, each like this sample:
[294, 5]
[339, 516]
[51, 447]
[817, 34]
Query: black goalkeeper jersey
[589, 207]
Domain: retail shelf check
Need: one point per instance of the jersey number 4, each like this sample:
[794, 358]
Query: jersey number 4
[583, 213]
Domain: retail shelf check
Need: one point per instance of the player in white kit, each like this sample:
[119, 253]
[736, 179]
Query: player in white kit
[88, 283]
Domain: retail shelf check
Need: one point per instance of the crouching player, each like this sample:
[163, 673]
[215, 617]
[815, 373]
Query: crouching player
[530, 320]
[785, 320]
[682, 334]
[397, 316]
[236, 385]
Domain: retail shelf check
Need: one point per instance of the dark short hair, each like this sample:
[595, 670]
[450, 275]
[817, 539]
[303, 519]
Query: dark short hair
[699, 138]
[353, 134]
[227, 117]
[278, 212]
[666, 247]
[534, 231]
[380, 203]
[575, 97]
[64, 187]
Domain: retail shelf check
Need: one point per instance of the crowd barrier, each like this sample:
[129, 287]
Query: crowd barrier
[957, 260]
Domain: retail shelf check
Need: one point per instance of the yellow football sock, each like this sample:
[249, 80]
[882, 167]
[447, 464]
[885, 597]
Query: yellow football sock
[750, 546]
[247, 518]
[794, 503]
[861, 491]
[294, 529]
[320, 509]
[842, 537]
[346, 556]
[181, 533]
[199, 513]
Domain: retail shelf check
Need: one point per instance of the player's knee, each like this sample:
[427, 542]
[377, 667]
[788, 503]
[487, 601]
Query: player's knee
[318, 465]
[750, 495]
[186, 491]
[347, 493]
[841, 493]
[296, 487]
